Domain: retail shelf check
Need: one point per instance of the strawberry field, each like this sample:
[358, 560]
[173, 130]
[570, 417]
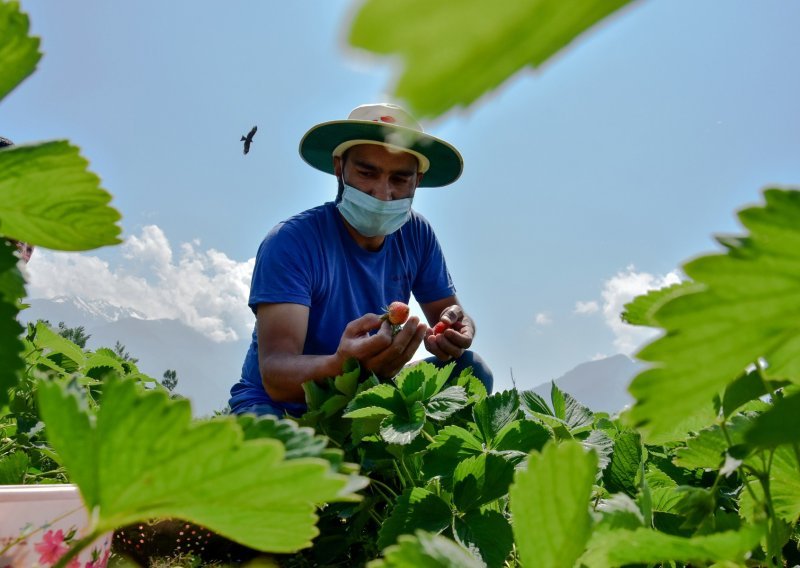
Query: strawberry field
[426, 469]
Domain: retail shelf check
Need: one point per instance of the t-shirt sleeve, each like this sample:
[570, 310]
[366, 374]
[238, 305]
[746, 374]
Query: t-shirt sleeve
[281, 273]
[433, 281]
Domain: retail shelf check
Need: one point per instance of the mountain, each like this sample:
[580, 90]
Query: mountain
[206, 369]
[600, 385]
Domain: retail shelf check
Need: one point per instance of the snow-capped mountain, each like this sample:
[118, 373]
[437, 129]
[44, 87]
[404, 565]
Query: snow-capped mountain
[72, 308]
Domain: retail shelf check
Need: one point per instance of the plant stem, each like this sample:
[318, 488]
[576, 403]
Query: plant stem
[382, 485]
[76, 549]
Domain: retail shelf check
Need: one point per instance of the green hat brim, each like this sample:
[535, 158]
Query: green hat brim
[318, 144]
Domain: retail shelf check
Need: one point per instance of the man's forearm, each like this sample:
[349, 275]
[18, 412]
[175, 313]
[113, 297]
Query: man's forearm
[283, 375]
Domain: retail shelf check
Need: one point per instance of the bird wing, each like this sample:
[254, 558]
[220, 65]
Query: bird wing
[252, 132]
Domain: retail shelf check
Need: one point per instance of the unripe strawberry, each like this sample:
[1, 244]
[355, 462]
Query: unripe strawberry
[396, 313]
[440, 327]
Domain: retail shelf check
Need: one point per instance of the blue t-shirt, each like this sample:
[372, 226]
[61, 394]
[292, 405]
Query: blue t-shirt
[311, 259]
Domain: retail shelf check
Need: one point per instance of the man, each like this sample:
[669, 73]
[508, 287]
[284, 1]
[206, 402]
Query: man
[322, 277]
[24, 249]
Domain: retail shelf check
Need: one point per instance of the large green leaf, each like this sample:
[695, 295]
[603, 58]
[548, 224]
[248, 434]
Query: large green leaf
[48, 197]
[521, 436]
[486, 534]
[403, 427]
[443, 404]
[778, 425]
[11, 291]
[143, 457]
[707, 449]
[453, 55]
[645, 546]
[19, 52]
[495, 412]
[425, 550]
[550, 505]
[784, 487]
[450, 446]
[642, 309]
[747, 309]
[13, 468]
[481, 479]
[626, 460]
[415, 509]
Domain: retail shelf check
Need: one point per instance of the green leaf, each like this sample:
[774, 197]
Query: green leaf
[618, 512]
[749, 386]
[521, 436]
[450, 446]
[12, 283]
[143, 457]
[347, 382]
[486, 535]
[746, 309]
[13, 468]
[402, 428]
[383, 396]
[641, 311]
[409, 383]
[444, 404]
[550, 505]
[11, 345]
[452, 57]
[495, 412]
[625, 463]
[558, 400]
[368, 412]
[785, 483]
[96, 360]
[424, 550]
[778, 425]
[415, 509]
[49, 198]
[577, 417]
[19, 52]
[603, 445]
[534, 403]
[707, 449]
[645, 546]
[299, 441]
[480, 479]
[53, 343]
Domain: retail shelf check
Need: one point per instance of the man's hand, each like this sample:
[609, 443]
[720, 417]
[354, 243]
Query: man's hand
[381, 353]
[453, 341]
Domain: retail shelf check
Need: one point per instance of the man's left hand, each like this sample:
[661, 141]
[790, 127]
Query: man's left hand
[453, 341]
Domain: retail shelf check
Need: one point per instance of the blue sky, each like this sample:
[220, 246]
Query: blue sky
[585, 182]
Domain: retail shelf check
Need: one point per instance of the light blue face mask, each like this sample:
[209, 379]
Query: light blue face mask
[370, 216]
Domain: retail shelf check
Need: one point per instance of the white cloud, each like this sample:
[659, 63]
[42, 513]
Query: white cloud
[204, 289]
[585, 308]
[543, 319]
[621, 289]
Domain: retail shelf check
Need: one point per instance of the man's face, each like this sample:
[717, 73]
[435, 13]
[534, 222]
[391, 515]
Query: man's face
[379, 172]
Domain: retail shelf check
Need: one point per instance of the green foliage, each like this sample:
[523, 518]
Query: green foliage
[49, 198]
[11, 292]
[746, 311]
[19, 52]
[495, 41]
[424, 550]
[171, 466]
[549, 503]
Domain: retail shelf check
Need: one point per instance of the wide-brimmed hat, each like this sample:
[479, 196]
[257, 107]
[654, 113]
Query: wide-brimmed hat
[387, 125]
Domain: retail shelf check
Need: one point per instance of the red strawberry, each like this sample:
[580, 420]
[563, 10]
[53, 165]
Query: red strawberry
[440, 327]
[396, 313]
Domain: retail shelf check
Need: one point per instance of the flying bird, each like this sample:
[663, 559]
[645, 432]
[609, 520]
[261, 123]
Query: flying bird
[249, 139]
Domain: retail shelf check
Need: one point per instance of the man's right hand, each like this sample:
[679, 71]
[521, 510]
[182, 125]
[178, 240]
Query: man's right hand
[381, 353]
